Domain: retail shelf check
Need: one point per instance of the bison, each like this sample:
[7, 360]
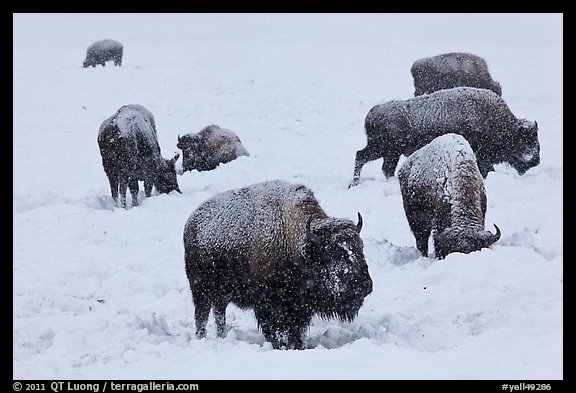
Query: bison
[102, 51]
[401, 126]
[209, 148]
[450, 70]
[270, 247]
[130, 152]
[442, 190]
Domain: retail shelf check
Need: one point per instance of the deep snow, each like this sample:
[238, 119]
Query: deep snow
[101, 292]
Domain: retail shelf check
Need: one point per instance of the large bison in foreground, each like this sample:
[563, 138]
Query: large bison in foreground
[442, 190]
[272, 248]
[209, 148]
[102, 51]
[450, 70]
[130, 152]
[401, 126]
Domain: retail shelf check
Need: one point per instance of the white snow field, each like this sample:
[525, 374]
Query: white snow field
[100, 292]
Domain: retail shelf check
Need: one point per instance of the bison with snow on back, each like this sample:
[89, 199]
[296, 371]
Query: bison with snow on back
[401, 126]
[450, 70]
[209, 148]
[102, 51]
[270, 247]
[130, 152]
[442, 190]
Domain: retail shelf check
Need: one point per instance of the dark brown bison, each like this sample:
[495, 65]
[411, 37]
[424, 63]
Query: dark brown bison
[450, 70]
[442, 190]
[130, 152]
[102, 51]
[482, 117]
[270, 247]
[209, 148]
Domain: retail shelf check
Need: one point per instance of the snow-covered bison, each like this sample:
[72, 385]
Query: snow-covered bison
[450, 70]
[401, 126]
[102, 51]
[209, 148]
[272, 248]
[130, 152]
[442, 190]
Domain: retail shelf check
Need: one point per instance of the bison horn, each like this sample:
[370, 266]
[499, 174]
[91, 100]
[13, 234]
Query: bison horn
[175, 158]
[309, 234]
[494, 237]
[360, 222]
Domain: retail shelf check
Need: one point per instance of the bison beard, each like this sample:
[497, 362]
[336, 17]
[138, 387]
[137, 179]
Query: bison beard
[270, 247]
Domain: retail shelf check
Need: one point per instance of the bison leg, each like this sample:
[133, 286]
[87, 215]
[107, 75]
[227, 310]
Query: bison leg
[422, 235]
[113, 180]
[123, 186]
[268, 322]
[134, 191]
[201, 312]
[283, 325]
[148, 188]
[389, 164]
[420, 220]
[369, 153]
[220, 317]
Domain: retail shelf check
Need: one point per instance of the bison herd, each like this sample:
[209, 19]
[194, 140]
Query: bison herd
[270, 247]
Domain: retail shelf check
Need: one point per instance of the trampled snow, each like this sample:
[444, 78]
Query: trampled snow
[100, 292]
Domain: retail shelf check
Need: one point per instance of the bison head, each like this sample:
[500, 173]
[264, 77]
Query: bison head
[339, 279]
[525, 153]
[464, 240]
[191, 148]
[166, 180]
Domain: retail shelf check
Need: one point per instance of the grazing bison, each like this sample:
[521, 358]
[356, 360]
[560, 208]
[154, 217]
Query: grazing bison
[442, 189]
[102, 51]
[495, 134]
[272, 248]
[130, 152]
[452, 70]
[209, 148]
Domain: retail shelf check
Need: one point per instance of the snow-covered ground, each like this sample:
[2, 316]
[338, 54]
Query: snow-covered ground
[101, 292]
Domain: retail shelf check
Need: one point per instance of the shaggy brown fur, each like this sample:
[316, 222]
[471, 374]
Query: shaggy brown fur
[270, 247]
[442, 190]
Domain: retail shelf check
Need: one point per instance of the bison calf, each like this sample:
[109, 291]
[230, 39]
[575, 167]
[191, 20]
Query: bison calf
[272, 248]
[450, 70]
[442, 189]
[102, 51]
[495, 134]
[130, 152]
[209, 148]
